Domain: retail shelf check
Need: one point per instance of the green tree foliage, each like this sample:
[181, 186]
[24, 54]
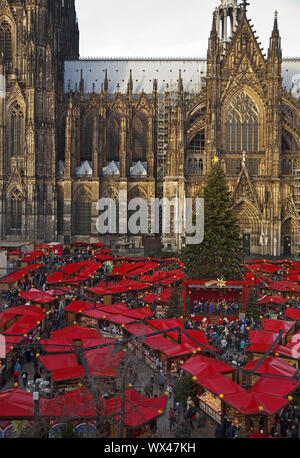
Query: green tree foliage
[253, 308]
[186, 387]
[65, 431]
[221, 250]
[175, 306]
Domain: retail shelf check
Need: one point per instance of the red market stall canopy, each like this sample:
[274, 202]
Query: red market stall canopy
[141, 270]
[165, 324]
[139, 410]
[250, 403]
[293, 277]
[265, 267]
[292, 349]
[17, 403]
[122, 309]
[117, 319]
[163, 276]
[139, 329]
[18, 275]
[116, 288]
[126, 268]
[199, 336]
[103, 257]
[260, 341]
[74, 273]
[203, 367]
[65, 339]
[284, 286]
[33, 256]
[164, 296]
[11, 341]
[272, 366]
[275, 386]
[102, 362]
[35, 295]
[272, 300]
[20, 320]
[80, 307]
[292, 313]
[277, 325]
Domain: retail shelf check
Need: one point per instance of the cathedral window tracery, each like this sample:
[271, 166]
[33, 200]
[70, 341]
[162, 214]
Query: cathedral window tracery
[16, 131]
[242, 125]
[6, 43]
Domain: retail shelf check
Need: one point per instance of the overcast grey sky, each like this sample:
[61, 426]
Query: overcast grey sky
[173, 28]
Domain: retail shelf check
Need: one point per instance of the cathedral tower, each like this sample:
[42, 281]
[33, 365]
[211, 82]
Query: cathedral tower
[35, 38]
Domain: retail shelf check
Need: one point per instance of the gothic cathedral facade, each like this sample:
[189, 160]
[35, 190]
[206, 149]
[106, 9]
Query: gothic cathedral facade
[75, 130]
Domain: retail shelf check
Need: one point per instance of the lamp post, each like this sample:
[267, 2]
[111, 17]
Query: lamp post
[36, 388]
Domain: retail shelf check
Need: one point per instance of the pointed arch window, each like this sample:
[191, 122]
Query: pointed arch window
[139, 138]
[16, 200]
[113, 138]
[197, 144]
[82, 212]
[6, 43]
[242, 126]
[16, 131]
[86, 152]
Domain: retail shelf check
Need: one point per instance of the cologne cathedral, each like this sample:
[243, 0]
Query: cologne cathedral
[74, 130]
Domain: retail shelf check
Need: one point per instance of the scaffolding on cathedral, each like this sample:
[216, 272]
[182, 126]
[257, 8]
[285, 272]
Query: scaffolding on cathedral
[297, 204]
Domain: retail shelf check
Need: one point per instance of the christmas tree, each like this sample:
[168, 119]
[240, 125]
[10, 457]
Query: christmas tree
[220, 253]
[253, 308]
[175, 307]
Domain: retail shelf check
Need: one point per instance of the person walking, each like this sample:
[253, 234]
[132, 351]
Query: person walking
[25, 378]
[171, 419]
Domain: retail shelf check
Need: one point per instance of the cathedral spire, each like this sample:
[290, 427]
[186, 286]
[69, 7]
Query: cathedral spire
[105, 83]
[275, 53]
[226, 19]
[275, 27]
[130, 84]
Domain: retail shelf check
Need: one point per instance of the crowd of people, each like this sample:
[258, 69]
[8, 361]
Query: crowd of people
[215, 307]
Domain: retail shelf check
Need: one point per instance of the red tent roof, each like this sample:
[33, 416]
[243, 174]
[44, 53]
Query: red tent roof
[33, 256]
[292, 313]
[17, 403]
[80, 306]
[275, 386]
[101, 362]
[35, 295]
[284, 286]
[122, 309]
[103, 257]
[138, 409]
[249, 403]
[219, 384]
[260, 341]
[139, 329]
[164, 324]
[272, 299]
[63, 340]
[101, 315]
[274, 366]
[201, 366]
[26, 319]
[277, 325]
[80, 403]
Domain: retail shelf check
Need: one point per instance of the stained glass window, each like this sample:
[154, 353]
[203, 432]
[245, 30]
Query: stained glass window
[242, 125]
